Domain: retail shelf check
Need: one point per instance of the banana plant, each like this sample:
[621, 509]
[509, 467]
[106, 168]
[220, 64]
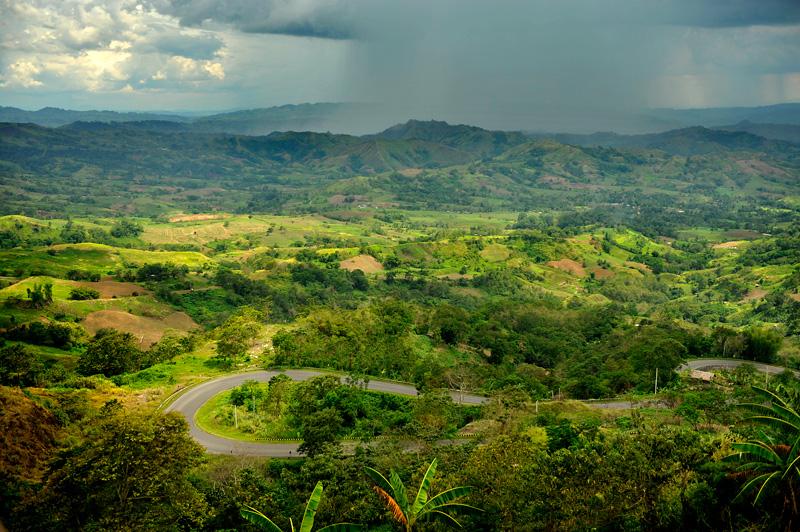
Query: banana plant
[306, 525]
[772, 465]
[407, 513]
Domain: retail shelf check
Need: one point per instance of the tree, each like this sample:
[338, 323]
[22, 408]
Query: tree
[236, 335]
[82, 293]
[18, 366]
[772, 463]
[129, 471]
[762, 344]
[306, 525]
[41, 295]
[111, 352]
[125, 228]
[278, 387]
[320, 430]
[394, 494]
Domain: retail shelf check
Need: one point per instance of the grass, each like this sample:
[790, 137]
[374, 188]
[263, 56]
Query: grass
[57, 260]
[207, 419]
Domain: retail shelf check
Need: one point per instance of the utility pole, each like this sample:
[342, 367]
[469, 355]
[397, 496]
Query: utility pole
[656, 387]
[235, 417]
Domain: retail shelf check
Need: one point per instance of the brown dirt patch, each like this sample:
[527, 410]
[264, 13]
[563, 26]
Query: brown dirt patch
[365, 263]
[569, 266]
[411, 172]
[742, 234]
[109, 289]
[760, 168]
[601, 273]
[728, 245]
[553, 180]
[644, 268]
[796, 297]
[195, 217]
[455, 276]
[147, 330]
[755, 293]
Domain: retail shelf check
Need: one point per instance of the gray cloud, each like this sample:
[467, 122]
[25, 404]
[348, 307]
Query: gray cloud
[350, 19]
[528, 64]
[733, 13]
[328, 19]
[167, 41]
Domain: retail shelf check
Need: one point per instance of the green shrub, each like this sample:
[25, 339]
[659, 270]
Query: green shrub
[83, 293]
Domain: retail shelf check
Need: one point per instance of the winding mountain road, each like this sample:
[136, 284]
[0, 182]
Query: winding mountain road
[705, 364]
[190, 401]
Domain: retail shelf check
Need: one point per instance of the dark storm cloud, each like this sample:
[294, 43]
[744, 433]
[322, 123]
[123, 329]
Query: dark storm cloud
[732, 13]
[328, 19]
[204, 46]
[353, 19]
[528, 64]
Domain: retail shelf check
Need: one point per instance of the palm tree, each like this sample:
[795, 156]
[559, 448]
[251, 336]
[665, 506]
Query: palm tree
[772, 464]
[306, 525]
[394, 494]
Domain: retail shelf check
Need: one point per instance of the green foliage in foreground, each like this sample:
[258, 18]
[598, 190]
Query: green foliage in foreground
[126, 472]
[424, 506]
[771, 463]
[306, 525]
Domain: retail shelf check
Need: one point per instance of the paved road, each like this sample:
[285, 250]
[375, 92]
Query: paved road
[190, 401]
[705, 364]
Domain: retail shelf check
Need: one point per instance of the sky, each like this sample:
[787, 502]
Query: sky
[497, 63]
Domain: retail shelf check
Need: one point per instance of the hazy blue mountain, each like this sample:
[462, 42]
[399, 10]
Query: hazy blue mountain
[54, 117]
[787, 113]
[686, 141]
[478, 141]
[787, 132]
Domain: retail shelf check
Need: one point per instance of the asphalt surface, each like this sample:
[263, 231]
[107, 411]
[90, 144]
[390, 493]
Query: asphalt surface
[705, 364]
[190, 401]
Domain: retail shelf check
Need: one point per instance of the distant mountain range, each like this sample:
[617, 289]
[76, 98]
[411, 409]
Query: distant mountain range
[780, 122]
[154, 144]
[105, 167]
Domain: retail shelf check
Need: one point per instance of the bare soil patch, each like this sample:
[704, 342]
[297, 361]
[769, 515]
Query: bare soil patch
[569, 266]
[109, 289]
[734, 244]
[553, 180]
[411, 172]
[147, 330]
[365, 263]
[742, 234]
[195, 217]
[455, 276]
[601, 273]
[755, 293]
[760, 168]
[796, 297]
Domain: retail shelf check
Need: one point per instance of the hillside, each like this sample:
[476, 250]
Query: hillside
[55, 117]
[148, 167]
[785, 132]
[687, 141]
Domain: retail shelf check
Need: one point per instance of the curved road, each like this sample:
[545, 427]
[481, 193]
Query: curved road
[705, 364]
[190, 401]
